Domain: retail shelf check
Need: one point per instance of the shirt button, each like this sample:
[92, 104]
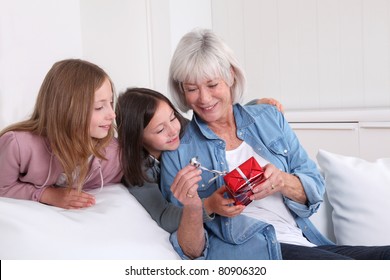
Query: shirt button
[203, 185]
[285, 151]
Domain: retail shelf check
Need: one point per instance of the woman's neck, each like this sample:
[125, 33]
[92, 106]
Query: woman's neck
[226, 129]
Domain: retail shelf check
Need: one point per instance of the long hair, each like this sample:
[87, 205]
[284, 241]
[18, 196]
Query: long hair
[135, 108]
[62, 115]
[200, 55]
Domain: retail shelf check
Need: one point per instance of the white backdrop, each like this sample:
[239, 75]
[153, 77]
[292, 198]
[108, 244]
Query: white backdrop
[309, 54]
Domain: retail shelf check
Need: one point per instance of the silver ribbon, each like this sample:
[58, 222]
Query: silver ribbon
[194, 161]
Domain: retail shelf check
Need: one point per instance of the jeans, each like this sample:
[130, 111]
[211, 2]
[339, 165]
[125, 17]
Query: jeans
[334, 252]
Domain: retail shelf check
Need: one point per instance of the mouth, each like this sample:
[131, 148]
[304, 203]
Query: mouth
[173, 140]
[208, 108]
[106, 127]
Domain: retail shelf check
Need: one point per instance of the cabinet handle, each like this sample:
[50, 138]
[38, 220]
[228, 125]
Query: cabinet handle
[375, 124]
[324, 126]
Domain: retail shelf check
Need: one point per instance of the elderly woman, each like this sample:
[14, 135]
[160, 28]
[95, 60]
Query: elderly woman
[205, 77]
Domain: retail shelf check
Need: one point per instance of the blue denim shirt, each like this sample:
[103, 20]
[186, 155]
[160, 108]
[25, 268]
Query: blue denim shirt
[265, 129]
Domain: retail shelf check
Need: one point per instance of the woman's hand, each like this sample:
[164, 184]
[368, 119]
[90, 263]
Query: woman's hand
[67, 198]
[279, 181]
[185, 185]
[218, 204]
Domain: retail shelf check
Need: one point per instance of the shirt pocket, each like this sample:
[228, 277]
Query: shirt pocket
[280, 148]
[208, 184]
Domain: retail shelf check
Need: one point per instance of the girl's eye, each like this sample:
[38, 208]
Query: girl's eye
[174, 118]
[160, 131]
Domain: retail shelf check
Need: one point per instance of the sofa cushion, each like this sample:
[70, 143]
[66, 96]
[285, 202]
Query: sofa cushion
[359, 192]
[117, 227]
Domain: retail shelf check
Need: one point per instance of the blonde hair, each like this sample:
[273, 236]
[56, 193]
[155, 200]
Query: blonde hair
[201, 55]
[62, 114]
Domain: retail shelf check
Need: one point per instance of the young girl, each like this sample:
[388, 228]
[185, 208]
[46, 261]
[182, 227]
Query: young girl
[67, 146]
[149, 124]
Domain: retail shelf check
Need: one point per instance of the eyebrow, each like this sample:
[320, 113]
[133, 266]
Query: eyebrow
[159, 124]
[208, 81]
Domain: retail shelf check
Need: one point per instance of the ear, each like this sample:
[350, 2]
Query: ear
[232, 76]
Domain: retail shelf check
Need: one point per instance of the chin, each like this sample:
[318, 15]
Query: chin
[100, 136]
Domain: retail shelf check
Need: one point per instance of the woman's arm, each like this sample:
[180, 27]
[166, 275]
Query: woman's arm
[190, 233]
[166, 215]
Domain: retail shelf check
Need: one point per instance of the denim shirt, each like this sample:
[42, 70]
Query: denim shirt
[265, 129]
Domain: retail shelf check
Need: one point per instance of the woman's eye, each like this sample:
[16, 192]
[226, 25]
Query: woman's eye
[99, 108]
[213, 85]
[191, 89]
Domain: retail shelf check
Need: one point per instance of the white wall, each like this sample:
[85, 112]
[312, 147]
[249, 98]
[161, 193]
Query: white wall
[33, 35]
[310, 54]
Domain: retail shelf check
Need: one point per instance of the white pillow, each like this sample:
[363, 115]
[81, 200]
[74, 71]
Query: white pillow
[359, 192]
[117, 227]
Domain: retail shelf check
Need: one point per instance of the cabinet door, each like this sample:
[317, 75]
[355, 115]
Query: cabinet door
[339, 138]
[374, 140]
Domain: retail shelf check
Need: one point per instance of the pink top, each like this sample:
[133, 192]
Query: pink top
[27, 166]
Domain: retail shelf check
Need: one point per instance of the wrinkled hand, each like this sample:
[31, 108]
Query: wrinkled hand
[218, 204]
[67, 198]
[185, 185]
[274, 182]
[273, 102]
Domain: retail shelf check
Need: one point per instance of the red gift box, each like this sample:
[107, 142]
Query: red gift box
[241, 181]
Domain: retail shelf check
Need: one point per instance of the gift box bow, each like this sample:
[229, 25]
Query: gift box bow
[243, 179]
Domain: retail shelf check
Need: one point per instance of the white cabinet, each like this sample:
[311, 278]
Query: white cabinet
[340, 138]
[374, 140]
[359, 133]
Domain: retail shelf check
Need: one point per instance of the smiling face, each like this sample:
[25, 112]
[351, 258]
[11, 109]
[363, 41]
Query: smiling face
[162, 132]
[211, 99]
[103, 112]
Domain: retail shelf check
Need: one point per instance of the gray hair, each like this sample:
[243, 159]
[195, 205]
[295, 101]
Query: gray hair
[201, 55]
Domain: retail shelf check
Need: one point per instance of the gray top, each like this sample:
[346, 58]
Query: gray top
[166, 214]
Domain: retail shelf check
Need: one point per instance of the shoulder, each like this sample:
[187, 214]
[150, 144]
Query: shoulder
[264, 110]
[112, 148]
[113, 144]
[21, 138]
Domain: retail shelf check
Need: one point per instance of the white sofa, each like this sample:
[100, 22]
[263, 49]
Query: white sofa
[356, 206]
[355, 211]
[352, 150]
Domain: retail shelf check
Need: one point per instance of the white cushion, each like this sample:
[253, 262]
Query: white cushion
[117, 227]
[359, 192]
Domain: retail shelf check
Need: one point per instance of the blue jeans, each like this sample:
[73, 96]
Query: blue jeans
[334, 252]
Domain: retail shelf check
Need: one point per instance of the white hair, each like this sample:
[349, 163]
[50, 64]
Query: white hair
[202, 55]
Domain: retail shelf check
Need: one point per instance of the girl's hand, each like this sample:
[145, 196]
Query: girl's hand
[218, 204]
[67, 198]
[273, 102]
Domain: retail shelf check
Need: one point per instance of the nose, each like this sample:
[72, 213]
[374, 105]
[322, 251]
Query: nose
[172, 130]
[111, 114]
[204, 95]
